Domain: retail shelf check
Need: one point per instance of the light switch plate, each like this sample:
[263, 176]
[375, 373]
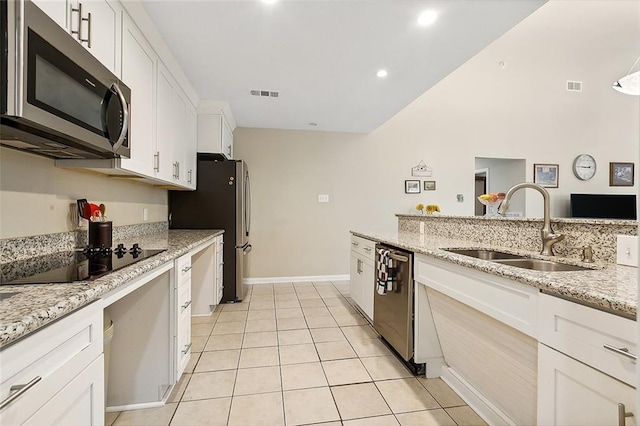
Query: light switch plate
[145, 214]
[627, 250]
[323, 198]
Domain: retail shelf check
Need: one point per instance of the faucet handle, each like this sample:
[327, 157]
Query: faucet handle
[587, 253]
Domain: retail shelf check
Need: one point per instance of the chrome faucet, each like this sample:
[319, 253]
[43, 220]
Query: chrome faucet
[546, 233]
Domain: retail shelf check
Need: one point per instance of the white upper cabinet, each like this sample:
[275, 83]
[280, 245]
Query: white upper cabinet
[138, 72]
[215, 132]
[175, 132]
[95, 24]
[98, 22]
[190, 147]
[165, 169]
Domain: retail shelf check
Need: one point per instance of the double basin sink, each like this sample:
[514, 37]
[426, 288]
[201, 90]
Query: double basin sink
[516, 260]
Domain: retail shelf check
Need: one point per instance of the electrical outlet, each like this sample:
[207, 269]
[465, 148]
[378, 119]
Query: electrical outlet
[323, 198]
[145, 214]
[627, 250]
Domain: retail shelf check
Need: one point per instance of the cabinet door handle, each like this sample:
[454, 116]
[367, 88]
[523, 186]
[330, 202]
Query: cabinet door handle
[19, 390]
[156, 161]
[620, 351]
[177, 170]
[186, 269]
[186, 348]
[78, 32]
[88, 40]
[186, 305]
[190, 173]
[623, 414]
[359, 267]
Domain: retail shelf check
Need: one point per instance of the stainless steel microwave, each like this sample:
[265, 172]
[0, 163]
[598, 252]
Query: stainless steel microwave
[57, 100]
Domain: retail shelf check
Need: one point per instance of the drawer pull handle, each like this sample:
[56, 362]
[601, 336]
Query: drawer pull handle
[186, 348]
[19, 390]
[186, 305]
[367, 249]
[621, 351]
[623, 414]
[186, 269]
[354, 243]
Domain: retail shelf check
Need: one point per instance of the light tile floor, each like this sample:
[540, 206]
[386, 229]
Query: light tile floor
[298, 354]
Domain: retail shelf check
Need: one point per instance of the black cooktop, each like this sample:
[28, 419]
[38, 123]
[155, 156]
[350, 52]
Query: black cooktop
[70, 266]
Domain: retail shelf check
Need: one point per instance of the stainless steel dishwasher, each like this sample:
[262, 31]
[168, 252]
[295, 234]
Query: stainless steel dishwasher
[393, 311]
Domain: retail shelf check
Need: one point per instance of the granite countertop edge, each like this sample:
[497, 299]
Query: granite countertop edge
[37, 305]
[593, 288]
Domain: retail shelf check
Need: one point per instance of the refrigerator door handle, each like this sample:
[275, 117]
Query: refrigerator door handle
[247, 249]
[247, 204]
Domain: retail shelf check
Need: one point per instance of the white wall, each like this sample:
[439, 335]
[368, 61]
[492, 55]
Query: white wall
[520, 110]
[36, 197]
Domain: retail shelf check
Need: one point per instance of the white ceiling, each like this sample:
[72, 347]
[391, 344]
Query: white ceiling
[322, 56]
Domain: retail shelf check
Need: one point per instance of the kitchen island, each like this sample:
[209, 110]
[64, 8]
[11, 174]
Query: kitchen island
[523, 346]
[607, 286]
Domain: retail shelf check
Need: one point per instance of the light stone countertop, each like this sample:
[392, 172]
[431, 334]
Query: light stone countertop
[610, 287]
[37, 305]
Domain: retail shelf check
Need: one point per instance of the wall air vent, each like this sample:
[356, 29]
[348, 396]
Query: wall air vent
[574, 86]
[265, 93]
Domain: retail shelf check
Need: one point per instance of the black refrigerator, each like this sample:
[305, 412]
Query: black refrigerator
[222, 200]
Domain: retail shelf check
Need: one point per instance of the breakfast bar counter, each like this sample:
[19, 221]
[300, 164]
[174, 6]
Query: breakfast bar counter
[607, 286]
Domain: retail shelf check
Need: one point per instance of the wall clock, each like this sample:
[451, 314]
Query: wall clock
[584, 167]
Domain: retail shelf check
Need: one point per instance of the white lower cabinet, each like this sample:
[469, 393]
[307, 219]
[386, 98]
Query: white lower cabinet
[572, 393]
[182, 314]
[220, 269]
[362, 277]
[56, 376]
[206, 276]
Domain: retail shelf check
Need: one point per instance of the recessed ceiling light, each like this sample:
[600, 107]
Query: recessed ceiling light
[269, 1]
[382, 73]
[427, 17]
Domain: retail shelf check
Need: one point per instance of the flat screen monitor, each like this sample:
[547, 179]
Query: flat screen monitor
[604, 206]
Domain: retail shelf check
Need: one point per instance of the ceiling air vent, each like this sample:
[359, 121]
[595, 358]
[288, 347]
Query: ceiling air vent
[265, 93]
[574, 86]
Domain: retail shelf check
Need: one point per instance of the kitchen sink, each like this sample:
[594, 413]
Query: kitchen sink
[517, 261]
[540, 265]
[485, 254]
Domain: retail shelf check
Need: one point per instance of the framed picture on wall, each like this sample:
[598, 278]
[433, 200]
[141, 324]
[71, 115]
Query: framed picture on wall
[546, 175]
[621, 174]
[411, 186]
[429, 185]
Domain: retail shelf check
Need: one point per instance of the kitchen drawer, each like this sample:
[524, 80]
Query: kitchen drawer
[510, 302]
[582, 333]
[183, 341]
[51, 358]
[363, 246]
[183, 269]
[184, 297]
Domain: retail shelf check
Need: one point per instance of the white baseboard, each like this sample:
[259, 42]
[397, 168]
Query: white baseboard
[485, 409]
[129, 407]
[302, 279]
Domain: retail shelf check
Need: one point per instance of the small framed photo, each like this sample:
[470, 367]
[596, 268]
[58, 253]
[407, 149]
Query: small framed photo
[429, 185]
[546, 175]
[411, 186]
[620, 174]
